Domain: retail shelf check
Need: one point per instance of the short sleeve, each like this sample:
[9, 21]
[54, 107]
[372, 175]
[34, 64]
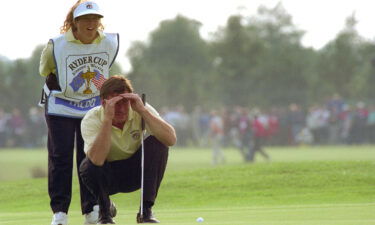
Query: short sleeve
[47, 64]
[90, 126]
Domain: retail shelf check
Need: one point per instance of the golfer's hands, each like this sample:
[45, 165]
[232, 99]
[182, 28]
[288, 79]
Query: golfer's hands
[126, 98]
[110, 107]
[135, 102]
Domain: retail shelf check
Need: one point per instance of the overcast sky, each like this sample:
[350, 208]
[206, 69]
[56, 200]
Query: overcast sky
[25, 23]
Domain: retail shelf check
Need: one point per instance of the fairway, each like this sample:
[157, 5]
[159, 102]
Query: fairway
[300, 186]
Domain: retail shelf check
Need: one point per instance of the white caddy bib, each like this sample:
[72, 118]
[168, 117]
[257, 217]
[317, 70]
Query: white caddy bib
[81, 70]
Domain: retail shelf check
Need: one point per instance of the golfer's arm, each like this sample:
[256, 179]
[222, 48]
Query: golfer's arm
[163, 131]
[102, 143]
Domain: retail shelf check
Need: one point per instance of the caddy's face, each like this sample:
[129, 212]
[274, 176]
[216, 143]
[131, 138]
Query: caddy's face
[88, 25]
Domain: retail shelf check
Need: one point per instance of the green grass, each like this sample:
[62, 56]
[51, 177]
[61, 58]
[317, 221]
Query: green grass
[21, 162]
[301, 185]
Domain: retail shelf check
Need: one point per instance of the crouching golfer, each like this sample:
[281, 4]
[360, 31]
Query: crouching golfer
[112, 137]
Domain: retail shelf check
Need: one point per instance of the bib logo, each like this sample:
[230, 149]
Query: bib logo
[89, 6]
[86, 71]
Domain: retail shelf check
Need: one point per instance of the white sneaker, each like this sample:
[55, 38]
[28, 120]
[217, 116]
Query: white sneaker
[93, 216]
[59, 218]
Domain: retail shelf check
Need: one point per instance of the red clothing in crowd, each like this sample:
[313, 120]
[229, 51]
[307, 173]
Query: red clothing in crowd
[258, 128]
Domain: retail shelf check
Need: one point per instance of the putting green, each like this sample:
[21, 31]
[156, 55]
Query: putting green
[300, 186]
[324, 214]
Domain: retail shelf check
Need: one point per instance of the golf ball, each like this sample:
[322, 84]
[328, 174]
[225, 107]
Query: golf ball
[200, 219]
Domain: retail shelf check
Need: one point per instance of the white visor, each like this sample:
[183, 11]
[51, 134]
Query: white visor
[86, 8]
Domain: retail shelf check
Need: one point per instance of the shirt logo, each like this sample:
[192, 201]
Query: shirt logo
[136, 135]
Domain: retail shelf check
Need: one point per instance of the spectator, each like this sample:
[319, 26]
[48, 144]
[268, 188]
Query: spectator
[317, 122]
[296, 121]
[357, 131]
[216, 134]
[17, 125]
[371, 124]
[245, 133]
[36, 128]
[259, 128]
[4, 117]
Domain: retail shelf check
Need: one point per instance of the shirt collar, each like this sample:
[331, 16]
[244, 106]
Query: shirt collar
[70, 37]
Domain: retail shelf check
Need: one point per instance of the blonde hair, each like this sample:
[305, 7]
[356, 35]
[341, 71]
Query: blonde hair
[69, 21]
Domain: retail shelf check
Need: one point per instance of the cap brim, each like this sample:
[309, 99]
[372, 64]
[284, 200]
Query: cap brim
[87, 12]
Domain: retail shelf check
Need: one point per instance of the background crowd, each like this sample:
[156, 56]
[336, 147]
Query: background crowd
[23, 129]
[332, 122]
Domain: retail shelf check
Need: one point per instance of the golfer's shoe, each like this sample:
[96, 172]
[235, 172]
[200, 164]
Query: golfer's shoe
[93, 216]
[106, 217]
[106, 220]
[59, 218]
[113, 210]
[147, 217]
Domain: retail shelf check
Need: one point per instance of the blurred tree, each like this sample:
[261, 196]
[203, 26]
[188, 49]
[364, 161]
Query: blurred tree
[236, 49]
[367, 80]
[343, 66]
[263, 62]
[22, 88]
[338, 63]
[116, 69]
[282, 75]
[173, 68]
[5, 65]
